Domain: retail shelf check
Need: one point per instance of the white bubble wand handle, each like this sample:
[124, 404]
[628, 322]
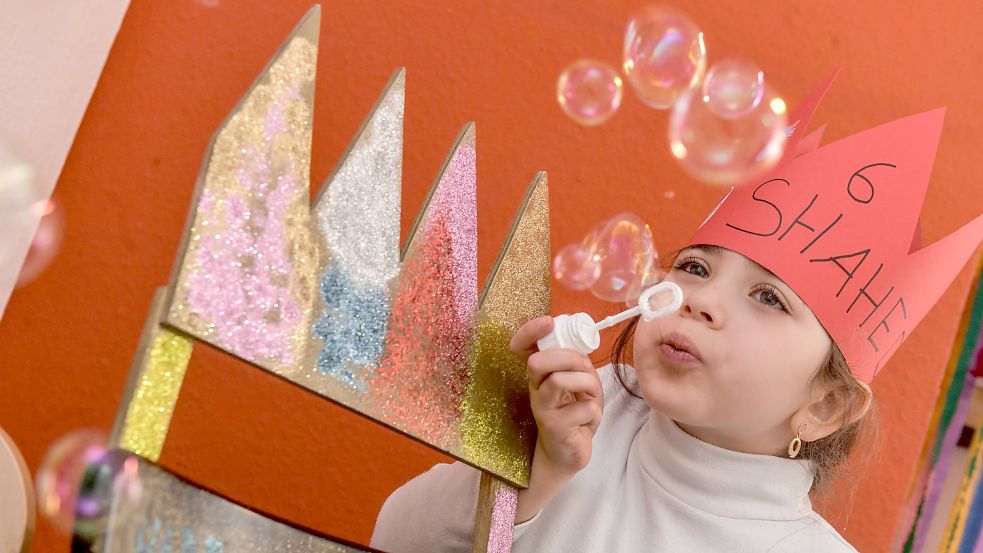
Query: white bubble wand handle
[580, 332]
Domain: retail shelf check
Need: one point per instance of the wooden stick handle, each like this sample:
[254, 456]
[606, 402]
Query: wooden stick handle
[497, 502]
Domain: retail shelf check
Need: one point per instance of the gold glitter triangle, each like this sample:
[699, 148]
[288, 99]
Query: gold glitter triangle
[497, 424]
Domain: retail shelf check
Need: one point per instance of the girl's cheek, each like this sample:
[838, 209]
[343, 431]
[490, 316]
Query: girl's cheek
[647, 331]
[643, 337]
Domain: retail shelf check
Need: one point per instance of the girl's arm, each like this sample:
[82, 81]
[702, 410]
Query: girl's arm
[567, 400]
[544, 482]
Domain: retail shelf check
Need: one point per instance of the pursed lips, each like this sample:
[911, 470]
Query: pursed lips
[681, 343]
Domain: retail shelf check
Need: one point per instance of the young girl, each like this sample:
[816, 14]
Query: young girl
[713, 424]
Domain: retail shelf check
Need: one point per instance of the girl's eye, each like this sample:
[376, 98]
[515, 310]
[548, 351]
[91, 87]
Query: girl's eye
[770, 298]
[767, 294]
[692, 267]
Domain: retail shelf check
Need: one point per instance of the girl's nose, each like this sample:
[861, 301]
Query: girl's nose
[703, 303]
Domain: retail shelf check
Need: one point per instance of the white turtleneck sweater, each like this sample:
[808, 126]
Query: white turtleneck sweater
[649, 486]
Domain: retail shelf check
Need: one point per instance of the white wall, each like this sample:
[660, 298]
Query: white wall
[51, 55]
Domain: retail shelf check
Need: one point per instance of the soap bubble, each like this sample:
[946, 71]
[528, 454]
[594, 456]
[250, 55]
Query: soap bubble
[46, 242]
[651, 275]
[22, 205]
[626, 256]
[18, 197]
[61, 472]
[79, 478]
[733, 88]
[727, 151]
[616, 260]
[589, 91]
[664, 55]
[112, 480]
[575, 268]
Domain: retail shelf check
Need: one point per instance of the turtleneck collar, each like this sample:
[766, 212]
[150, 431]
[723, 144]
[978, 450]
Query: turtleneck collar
[720, 481]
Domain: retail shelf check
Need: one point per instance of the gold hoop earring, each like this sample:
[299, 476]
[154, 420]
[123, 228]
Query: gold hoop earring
[796, 445]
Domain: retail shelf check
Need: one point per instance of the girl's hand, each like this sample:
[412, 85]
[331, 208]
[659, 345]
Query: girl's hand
[566, 397]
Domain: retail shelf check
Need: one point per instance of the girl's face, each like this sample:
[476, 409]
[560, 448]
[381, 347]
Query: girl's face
[737, 359]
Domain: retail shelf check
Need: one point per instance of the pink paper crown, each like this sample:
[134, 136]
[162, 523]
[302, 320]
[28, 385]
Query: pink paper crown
[839, 225]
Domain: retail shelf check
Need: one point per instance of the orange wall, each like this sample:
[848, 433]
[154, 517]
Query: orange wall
[176, 70]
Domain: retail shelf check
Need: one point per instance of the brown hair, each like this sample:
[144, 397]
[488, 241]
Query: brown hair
[827, 454]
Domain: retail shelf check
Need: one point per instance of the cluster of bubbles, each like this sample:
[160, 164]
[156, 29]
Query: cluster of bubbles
[79, 479]
[616, 260]
[727, 125]
[22, 204]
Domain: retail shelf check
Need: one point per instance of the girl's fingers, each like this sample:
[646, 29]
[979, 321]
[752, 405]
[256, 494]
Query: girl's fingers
[579, 413]
[524, 340]
[541, 364]
[563, 387]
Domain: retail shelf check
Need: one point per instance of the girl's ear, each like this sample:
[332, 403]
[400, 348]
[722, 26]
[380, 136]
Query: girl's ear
[832, 408]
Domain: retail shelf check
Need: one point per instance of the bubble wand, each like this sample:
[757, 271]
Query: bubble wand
[579, 331]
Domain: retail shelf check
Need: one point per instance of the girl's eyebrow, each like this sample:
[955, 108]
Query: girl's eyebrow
[705, 248]
[763, 269]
